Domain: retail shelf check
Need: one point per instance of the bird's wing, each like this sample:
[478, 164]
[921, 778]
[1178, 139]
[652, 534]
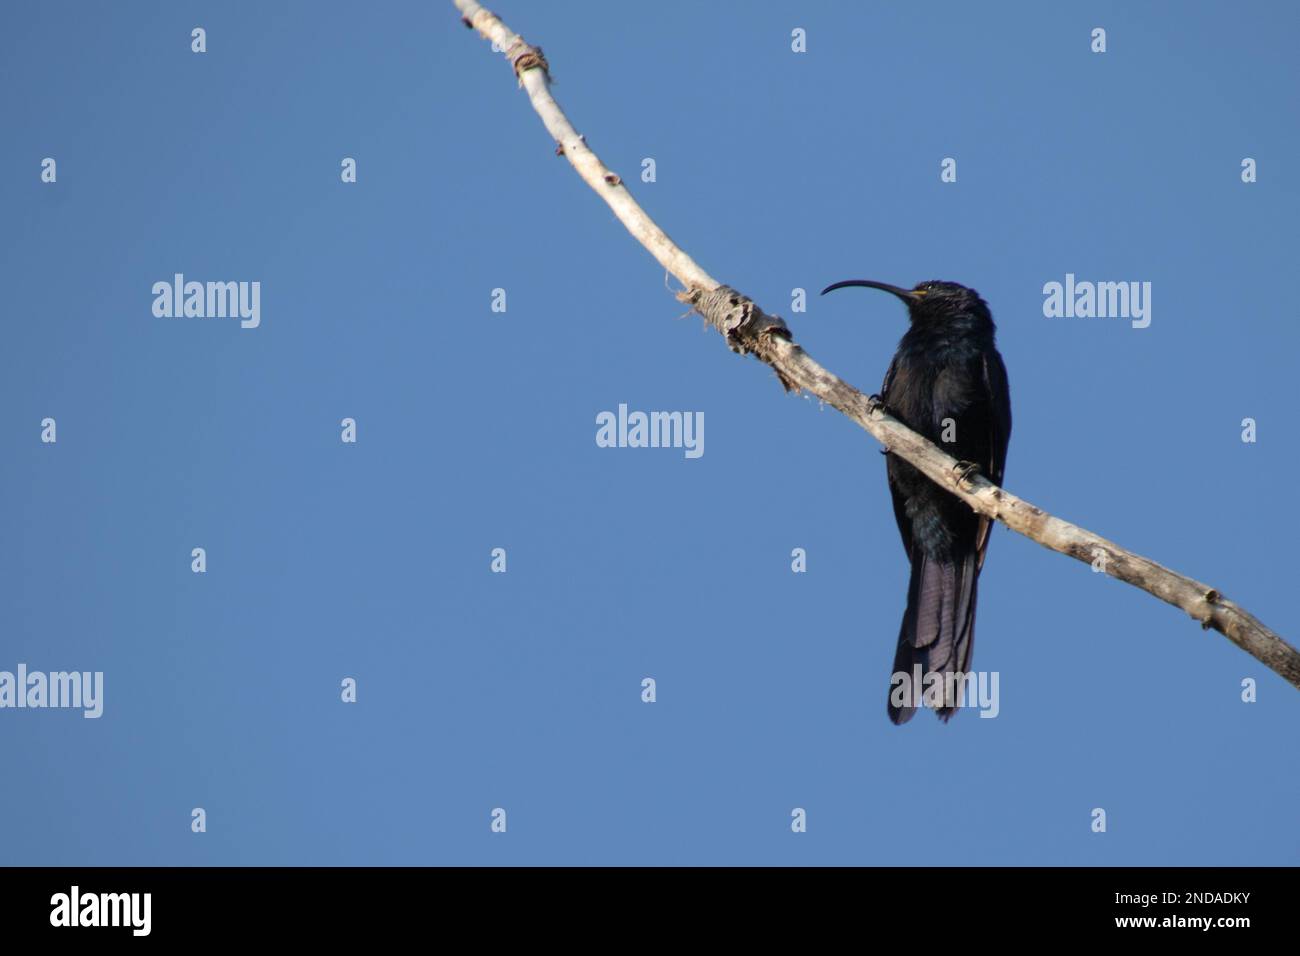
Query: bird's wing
[999, 394]
[889, 379]
[891, 465]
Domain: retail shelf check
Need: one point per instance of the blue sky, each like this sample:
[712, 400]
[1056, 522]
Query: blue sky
[476, 430]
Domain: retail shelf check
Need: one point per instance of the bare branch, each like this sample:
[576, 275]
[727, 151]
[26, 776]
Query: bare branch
[749, 330]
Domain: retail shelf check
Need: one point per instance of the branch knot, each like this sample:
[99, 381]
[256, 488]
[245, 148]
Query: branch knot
[735, 315]
[527, 57]
[746, 327]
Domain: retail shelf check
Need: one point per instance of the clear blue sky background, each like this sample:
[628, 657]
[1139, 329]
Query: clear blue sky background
[476, 430]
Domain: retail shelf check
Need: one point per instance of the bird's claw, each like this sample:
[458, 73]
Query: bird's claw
[875, 404]
[965, 470]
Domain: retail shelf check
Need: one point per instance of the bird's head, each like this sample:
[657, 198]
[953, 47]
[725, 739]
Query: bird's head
[929, 302]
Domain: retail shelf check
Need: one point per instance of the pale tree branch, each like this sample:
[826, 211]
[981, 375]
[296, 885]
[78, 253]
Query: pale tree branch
[749, 330]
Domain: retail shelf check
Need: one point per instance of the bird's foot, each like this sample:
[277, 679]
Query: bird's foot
[877, 404]
[965, 471]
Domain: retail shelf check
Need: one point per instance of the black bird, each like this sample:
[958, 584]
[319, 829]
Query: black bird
[948, 383]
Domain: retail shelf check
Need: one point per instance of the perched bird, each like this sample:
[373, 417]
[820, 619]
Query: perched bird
[948, 383]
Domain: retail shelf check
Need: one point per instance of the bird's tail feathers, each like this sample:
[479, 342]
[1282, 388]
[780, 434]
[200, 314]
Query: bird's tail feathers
[937, 635]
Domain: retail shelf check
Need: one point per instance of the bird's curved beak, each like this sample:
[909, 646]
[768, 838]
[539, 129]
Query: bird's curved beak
[909, 296]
